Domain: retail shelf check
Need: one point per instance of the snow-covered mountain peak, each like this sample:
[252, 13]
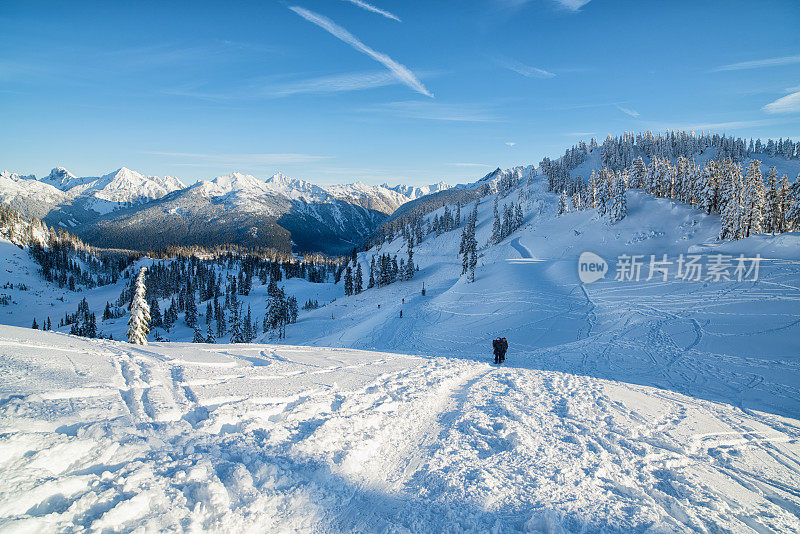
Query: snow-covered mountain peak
[414, 192]
[492, 175]
[61, 178]
[126, 185]
[296, 189]
[120, 186]
[231, 183]
[13, 176]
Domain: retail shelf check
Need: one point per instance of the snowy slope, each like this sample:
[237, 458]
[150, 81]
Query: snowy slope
[28, 195]
[377, 197]
[296, 189]
[413, 193]
[32, 297]
[789, 167]
[233, 438]
[649, 406]
[118, 187]
[383, 198]
[64, 200]
[62, 179]
[665, 334]
[125, 185]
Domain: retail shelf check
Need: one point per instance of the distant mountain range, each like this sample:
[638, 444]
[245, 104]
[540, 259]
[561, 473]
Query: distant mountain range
[126, 209]
[462, 193]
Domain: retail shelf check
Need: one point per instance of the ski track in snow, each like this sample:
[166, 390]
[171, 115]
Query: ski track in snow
[342, 440]
[622, 407]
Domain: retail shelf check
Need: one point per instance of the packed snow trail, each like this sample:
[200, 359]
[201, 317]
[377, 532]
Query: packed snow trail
[98, 436]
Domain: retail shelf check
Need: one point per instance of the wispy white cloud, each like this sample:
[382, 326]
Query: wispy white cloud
[435, 111]
[759, 63]
[337, 83]
[787, 104]
[402, 73]
[570, 5]
[266, 88]
[511, 144]
[523, 69]
[793, 89]
[628, 111]
[579, 134]
[374, 9]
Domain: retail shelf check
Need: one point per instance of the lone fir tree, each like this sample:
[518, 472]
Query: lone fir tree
[139, 322]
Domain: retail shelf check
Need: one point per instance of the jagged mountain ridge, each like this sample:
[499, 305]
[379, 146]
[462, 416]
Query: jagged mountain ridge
[120, 186]
[28, 195]
[280, 212]
[461, 193]
[128, 209]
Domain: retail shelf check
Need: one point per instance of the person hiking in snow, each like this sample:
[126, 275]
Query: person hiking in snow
[503, 349]
[496, 343]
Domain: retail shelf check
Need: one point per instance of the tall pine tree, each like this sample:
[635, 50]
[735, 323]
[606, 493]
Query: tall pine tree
[139, 322]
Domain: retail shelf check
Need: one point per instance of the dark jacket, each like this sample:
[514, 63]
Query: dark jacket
[496, 344]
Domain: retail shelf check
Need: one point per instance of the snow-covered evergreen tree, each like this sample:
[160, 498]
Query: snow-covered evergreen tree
[278, 314]
[473, 260]
[772, 203]
[210, 337]
[469, 248]
[708, 195]
[198, 335]
[222, 326]
[563, 203]
[793, 207]
[577, 201]
[358, 286]
[619, 207]
[592, 200]
[348, 281]
[605, 184]
[237, 331]
[139, 322]
[248, 330]
[783, 202]
[731, 223]
[409, 267]
[753, 201]
[496, 225]
[638, 172]
[191, 310]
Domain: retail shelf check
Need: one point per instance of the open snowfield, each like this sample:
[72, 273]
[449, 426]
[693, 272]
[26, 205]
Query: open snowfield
[100, 435]
[623, 406]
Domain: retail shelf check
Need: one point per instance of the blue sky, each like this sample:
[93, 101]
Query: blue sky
[380, 91]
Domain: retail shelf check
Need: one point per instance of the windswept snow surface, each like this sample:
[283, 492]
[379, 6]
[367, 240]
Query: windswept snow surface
[644, 406]
[101, 435]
